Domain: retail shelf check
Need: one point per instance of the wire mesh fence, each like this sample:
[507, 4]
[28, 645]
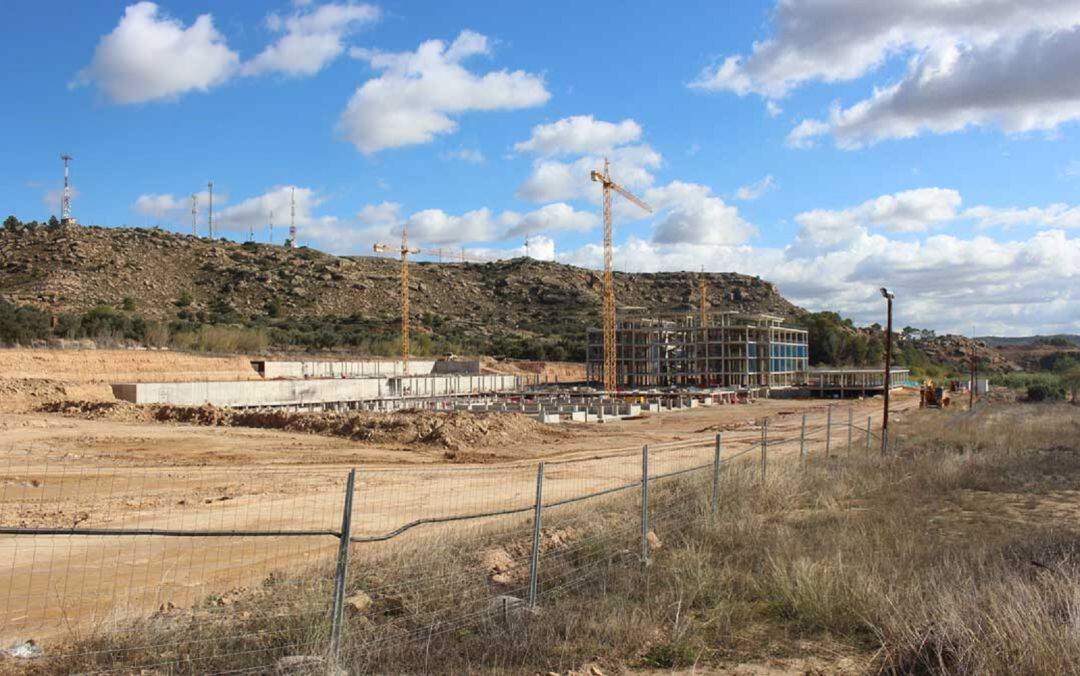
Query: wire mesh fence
[196, 570]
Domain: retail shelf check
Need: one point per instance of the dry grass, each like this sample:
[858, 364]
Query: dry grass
[958, 556]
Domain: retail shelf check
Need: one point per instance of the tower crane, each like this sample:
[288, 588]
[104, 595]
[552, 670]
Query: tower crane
[703, 292]
[610, 186]
[405, 251]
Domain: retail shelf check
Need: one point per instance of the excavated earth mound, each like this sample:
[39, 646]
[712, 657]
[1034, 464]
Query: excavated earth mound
[453, 431]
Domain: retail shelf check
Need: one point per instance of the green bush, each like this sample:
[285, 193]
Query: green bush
[222, 339]
[22, 325]
[1044, 392]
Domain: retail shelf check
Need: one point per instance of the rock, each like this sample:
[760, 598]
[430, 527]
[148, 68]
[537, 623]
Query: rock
[504, 608]
[654, 541]
[297, 665]
[358, 603]
[27, 650]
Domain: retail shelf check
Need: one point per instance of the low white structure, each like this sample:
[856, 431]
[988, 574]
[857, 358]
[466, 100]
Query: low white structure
[313, 392]
[274, 370]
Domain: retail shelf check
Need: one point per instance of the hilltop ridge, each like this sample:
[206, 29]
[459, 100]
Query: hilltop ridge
[75, 268]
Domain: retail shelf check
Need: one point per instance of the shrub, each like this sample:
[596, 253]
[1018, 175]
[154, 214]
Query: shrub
[222, 339]
[22, 325]
[1044, 392]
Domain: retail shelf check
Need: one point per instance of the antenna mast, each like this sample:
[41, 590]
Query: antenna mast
[210, 214]
[292, 220]
[65, 199]
[194, 215]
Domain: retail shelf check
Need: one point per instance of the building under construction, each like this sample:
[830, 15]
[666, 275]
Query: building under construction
[731, 350]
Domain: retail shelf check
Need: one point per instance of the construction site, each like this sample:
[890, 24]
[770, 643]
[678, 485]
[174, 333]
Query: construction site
[166, 445]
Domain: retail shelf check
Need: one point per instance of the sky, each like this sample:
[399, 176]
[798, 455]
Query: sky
[830, 146]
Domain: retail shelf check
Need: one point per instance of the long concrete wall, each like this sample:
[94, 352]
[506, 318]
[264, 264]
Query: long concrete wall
[429, 386]
[314, 391]
[273, 370]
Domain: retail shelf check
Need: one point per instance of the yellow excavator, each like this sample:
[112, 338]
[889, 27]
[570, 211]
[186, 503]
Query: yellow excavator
[933, 396]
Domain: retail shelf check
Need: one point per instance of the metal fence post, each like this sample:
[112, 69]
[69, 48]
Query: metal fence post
[869, 421]
[764, 448]
[716, 475]
[337, 609]
[850, 427]
[645, 505]
[828, 430]
[534, 561]
[802, 440]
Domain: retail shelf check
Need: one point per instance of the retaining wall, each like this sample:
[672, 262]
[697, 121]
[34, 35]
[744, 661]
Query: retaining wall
[272, 370]
[301, 392]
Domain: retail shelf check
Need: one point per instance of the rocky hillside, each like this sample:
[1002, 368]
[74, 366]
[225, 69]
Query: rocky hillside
[955, 352]
[74, 268]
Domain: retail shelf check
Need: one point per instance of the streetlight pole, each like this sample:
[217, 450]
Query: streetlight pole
[888, 369]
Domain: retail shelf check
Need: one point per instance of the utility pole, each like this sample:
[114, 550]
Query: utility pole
[210, 213]
[888, 369]
[194, 215]
[65, 199]
[972, 363]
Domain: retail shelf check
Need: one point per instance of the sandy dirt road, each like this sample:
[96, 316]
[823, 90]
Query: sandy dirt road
[60, 472]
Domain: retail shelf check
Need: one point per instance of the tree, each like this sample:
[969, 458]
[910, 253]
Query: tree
[53, 222]
[12, 223]
[1071, 378]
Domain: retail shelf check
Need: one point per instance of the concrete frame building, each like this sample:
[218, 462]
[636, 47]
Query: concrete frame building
[732, 350]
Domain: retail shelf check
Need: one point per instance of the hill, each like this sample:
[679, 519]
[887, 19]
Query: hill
[1056, 340]
[309, 297]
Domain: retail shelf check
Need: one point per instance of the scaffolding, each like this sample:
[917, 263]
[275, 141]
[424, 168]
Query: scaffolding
[705, 349]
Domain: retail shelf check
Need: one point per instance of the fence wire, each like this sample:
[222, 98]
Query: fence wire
[196, 570]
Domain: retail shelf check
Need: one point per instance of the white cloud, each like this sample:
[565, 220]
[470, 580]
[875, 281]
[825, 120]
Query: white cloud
[469, 155]
[435, 226]
[150, 56]
[1017, 85]
[971, 63]
[255, 211]
[384, 213]
[756, 190]
[579, 135]
[551, 218]
[841, 40]
[52, 198]
[553, 180]
[695, 216]
[419, 93]
[1007, 288]
[1052, 216]
[805, 134]
[907, 211]
[540, 248]
[160, 205]
[311, 39]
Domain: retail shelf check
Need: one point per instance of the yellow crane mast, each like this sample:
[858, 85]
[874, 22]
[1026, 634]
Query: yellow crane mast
[405, 250]
[610, 186]
[703, 292]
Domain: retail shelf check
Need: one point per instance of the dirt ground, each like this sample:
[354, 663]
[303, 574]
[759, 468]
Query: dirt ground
[77, 470]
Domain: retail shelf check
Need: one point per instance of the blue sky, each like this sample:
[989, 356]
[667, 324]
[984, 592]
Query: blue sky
[832, 147]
